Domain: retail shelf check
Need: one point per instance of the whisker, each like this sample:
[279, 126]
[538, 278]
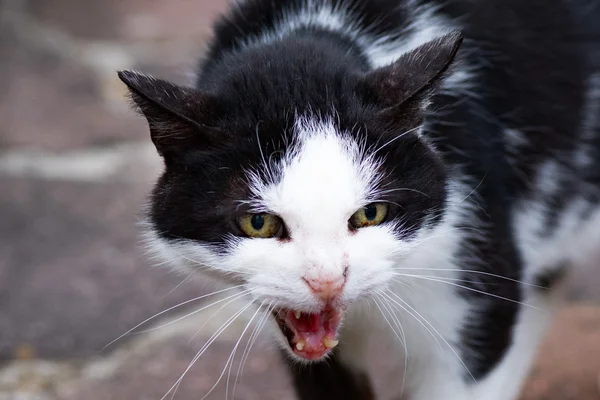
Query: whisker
[212, 316]
[448, 279]
[395, 320]
[404, 342]
[177, 384]
[469, 271]
[397, 137]
[262, 155]
[432, 327]
[388, 321]
[225, 271]
[261, 323]
[392, 202]
[412, 315]
[402, 190]
[231, 358]
[167, 310]
[407, 284]
[419, 242]
[474, 290]
[214, 337]
[476, 187]
[178, 286]
[237, 296]
[449, 231]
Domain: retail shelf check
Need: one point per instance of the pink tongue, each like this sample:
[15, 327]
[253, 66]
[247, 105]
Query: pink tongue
[312, 330]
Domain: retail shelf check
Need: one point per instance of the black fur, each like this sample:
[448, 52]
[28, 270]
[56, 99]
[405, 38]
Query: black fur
[532, 61]
[250, 19]
[250, 111]
[551, 277]
[330, 380]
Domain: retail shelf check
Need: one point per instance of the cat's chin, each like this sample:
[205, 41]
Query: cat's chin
[310, 336]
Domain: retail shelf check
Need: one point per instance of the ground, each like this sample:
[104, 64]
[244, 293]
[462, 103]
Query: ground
[75, 167]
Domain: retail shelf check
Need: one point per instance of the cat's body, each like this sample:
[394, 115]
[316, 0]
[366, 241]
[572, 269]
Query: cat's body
[485, 167]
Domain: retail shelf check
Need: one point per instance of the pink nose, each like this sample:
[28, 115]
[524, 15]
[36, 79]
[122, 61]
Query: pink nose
[326, 289]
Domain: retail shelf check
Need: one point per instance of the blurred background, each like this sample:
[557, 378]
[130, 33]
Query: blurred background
[75, 167]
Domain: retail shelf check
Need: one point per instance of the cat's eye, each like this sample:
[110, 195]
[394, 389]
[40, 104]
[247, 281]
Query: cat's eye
[370, 215]
[260, 225]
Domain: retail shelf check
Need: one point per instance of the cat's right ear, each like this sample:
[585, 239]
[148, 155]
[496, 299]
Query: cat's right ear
[404, 87]
[175, 114]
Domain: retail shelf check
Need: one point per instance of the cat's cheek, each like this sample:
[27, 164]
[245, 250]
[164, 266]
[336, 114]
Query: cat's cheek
[371, 261]
[183, 256]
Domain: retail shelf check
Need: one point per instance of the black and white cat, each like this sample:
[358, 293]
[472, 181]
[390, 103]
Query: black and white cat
[362, 172]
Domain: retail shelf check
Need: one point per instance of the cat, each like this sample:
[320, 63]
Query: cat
[422, 173]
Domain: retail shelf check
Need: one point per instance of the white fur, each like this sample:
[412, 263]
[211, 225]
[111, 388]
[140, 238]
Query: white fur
[436, 372]
[571, 242]
[505, 381]
[574, 241]
[425, 25]
[325, 178]
[514, 139]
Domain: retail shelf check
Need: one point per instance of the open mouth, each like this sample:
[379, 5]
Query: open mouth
[310, 336]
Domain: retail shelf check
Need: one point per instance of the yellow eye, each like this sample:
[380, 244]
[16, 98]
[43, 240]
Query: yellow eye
[370, 215]
[260, 225]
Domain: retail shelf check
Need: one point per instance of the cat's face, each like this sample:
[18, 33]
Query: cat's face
[307, 199]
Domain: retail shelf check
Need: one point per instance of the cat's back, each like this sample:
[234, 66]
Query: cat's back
[541, 88]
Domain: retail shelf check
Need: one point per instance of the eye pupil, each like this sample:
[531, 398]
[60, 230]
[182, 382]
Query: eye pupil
[371, 212]
[258, 222]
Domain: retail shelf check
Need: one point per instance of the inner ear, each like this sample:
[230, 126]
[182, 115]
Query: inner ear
[416, 74]
[178, 116]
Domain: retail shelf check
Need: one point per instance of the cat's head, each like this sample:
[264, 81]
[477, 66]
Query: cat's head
[299, 178]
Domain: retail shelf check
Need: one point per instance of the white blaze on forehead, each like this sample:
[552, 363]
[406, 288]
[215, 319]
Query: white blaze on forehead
[324, 179]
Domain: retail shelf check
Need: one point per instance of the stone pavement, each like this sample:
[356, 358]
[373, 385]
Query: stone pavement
[75, 167]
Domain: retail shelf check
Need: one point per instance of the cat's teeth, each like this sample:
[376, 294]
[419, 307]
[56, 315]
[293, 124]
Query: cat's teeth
[300, 345]
[298, 314]
[330, 343]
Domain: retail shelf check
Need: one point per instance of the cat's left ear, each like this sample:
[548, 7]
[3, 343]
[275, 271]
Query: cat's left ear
[406, 85]
[179, 117]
